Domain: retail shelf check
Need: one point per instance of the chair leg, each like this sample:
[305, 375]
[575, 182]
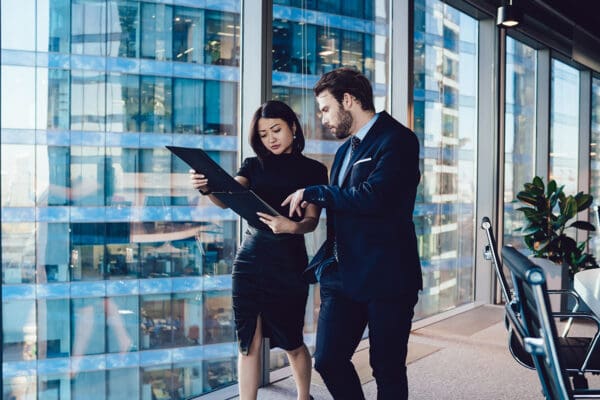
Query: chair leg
[580, 382]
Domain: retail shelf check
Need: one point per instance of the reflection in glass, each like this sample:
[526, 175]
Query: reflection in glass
[88, 100]
[53, 334]
[595, 166]
[53, 25]
[445, 121]
[156, 31]
[89, 27]
[18, 252]
[564, 126]
[303, 49]
[18, 331]
[123, 103]
[52, 98]
[18, 85]
[222, 39]
[18, 25]
[53, 248]
[156, 104]
[520, 129]
[188, 34]
[18, 175]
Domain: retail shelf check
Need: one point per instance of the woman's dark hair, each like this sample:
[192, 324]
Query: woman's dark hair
[347, 80]
[280, 110]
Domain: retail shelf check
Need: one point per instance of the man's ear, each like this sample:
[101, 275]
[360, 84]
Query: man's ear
[347, 100]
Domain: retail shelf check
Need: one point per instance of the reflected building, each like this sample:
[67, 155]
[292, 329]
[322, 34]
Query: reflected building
[115, 275]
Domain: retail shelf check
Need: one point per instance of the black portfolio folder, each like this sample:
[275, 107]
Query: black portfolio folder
[241, 200]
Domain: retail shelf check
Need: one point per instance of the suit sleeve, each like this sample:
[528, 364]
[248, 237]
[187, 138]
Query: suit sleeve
[396, 170]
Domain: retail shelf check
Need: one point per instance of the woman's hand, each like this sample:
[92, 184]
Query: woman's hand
[278, 224]
[199, 181]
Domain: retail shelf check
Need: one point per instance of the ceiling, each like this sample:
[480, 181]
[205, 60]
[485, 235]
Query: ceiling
[583, 13]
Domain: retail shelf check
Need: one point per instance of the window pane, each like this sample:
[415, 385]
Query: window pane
[564, 126]
[88, 100]
[18, 24]
[520, 127]
[156, 104]
[595, 164]
[123, 103]
[188, 34]
[88, 26]
[156, 31]
[17, 342]
[18, 175]
[52, 98]
[445, 121]
[53, 250]
[309, 39]
[53, 25]
[18, 85]
[222, 38]
[99, 220]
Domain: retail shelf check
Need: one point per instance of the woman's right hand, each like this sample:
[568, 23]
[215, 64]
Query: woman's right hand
[199, 181]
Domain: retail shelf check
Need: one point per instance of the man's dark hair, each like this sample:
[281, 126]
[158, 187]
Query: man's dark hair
[347, 80]
[280, 110]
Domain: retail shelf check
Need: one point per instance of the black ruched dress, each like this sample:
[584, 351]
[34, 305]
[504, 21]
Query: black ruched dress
[267, 268]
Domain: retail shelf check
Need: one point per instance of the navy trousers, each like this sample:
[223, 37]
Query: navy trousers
[342, 322]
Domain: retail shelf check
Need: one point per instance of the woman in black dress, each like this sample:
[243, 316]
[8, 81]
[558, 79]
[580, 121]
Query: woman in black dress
[269, 294]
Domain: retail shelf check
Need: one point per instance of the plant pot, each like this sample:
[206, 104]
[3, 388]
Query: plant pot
[557, 278]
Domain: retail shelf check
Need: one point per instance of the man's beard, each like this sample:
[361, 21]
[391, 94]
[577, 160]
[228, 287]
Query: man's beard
[342, 131]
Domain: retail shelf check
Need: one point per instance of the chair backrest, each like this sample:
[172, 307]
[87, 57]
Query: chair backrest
[539, 334]
[491, 251]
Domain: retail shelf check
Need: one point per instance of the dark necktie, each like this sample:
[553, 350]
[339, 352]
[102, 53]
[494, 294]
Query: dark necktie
[354, 142]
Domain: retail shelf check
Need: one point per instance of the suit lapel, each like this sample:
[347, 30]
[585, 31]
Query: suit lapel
[365, 144]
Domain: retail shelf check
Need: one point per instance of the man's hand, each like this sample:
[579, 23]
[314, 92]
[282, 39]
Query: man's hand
[296, 203]
[278, 224]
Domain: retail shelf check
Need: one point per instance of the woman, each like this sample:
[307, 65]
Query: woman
[269, 295]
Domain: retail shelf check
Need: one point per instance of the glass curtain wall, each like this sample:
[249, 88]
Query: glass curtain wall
[115, 273]
[564, 126]
[520, 128]
[309, 39]
[445, 121]
[595, 165]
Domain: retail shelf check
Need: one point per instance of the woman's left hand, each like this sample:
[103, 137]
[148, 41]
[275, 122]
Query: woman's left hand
[278, 224]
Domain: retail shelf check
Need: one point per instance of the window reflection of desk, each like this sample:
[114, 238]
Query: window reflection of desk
[587, 285]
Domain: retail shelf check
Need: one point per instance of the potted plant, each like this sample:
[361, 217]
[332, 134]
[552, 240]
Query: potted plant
[549, 215]
[545, 232]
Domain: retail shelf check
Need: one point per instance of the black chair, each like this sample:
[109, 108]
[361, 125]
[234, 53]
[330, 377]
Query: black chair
[578, 350]
[535, 328]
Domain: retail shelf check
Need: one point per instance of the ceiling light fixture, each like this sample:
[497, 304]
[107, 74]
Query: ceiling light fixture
[508, 15]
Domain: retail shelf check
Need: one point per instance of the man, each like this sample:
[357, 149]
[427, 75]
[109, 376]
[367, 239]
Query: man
[369, 202]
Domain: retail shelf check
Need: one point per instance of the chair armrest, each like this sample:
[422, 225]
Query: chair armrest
[575, 295]
[595, 339]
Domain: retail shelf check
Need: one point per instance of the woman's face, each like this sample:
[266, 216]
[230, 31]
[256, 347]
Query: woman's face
[276, 135]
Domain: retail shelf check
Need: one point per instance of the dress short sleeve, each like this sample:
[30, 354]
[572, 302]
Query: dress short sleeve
[248, 168]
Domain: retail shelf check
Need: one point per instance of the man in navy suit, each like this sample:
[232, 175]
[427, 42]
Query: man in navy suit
[370, 232]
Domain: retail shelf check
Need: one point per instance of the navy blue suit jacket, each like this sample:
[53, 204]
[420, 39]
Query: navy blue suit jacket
[371, 214]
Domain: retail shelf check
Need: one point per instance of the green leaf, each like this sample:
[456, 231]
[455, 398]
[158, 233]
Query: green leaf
[583, 201]
[551, 189]
[570, 208]
[586, 226]
[538, 182]
[526, 197]
[529, 230]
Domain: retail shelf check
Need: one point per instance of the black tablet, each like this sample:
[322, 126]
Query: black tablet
[218, 179]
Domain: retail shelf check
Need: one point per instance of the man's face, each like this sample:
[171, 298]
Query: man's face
[333, 116]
